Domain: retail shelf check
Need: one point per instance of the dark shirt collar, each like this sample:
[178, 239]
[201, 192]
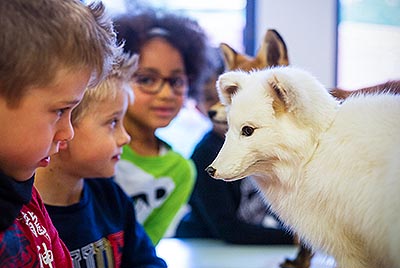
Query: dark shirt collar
[13, 195]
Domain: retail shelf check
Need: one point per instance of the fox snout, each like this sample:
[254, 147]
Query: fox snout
[211, 171]
[212, 114]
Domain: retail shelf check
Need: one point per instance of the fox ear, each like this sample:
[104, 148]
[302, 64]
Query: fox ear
[273, 51]
[229, 56]
[282, 101]
[226, 92]
[226, 88]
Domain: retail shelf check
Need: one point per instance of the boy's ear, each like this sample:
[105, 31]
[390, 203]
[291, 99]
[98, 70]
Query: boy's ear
[273, 51]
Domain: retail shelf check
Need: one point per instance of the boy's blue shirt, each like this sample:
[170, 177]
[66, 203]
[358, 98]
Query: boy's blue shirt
[102, 229]
[13, 195]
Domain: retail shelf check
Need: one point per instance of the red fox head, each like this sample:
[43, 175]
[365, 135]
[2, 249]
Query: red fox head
[272, 52]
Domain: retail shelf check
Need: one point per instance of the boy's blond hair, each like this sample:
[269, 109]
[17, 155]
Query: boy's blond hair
[117, 80]
[38, 38]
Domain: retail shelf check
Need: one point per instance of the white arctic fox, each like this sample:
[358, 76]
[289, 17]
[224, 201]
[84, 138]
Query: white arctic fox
[330, 171]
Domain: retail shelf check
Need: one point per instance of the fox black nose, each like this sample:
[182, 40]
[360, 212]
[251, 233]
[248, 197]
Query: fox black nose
[210, 170]
[211, 114]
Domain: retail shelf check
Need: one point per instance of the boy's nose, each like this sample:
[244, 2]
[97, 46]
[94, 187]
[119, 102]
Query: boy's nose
[125, 138]
[66, 132]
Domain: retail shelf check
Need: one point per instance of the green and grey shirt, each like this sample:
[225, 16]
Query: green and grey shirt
[159, 185]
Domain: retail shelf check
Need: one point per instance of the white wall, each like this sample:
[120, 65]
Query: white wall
[309, 30]
[368, 54]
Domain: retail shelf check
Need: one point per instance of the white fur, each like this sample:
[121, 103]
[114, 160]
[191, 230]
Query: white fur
[330, 171]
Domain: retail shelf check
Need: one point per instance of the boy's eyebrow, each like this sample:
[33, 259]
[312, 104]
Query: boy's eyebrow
[70, 102]
[117, 112]
[113, 113]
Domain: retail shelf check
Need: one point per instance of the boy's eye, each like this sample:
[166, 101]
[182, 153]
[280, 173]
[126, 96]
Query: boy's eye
[60, 112]
[114, 123]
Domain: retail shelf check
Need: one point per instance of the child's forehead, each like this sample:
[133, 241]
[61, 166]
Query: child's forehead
[114, 98]
[66, 86]
[156, 46]
[63, 74]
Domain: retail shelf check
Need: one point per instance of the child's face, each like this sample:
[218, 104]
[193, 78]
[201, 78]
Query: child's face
[210, 95]
[98, 141]
[31, 132]
[152, 111]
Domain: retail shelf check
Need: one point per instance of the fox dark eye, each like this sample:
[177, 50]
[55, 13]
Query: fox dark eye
[247, 131]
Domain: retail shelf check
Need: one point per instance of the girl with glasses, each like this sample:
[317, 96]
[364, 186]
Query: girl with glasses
[172, 59]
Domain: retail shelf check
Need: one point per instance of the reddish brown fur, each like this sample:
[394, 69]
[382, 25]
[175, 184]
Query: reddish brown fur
[273, 52]
[390, 86]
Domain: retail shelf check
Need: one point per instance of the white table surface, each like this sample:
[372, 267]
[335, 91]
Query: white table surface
[206, 253]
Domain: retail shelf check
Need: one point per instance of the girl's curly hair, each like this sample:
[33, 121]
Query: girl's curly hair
[183, 33]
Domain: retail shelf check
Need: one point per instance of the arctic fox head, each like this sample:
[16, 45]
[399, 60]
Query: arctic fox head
[275, 117]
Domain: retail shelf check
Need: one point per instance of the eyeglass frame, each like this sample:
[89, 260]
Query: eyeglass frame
[162, 80]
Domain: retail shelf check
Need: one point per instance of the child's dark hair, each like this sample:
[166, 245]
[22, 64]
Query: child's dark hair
[215, 62]
[183, 33]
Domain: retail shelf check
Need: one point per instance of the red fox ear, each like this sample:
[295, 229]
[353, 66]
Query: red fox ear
[273, 50]
[229, 56]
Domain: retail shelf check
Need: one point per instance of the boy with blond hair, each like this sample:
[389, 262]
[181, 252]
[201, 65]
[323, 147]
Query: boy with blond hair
[50, 51]
[94, 217]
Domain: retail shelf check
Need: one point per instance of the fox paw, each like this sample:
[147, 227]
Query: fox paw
[302, 260]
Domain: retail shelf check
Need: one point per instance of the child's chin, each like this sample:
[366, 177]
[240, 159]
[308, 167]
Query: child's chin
[111, 174]
[23, 176]
[108, 174]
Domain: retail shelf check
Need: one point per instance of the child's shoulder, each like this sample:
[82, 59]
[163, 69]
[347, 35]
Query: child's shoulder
[106, 189]
[101, 184]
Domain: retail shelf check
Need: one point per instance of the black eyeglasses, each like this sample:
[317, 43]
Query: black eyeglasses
[152, 83]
